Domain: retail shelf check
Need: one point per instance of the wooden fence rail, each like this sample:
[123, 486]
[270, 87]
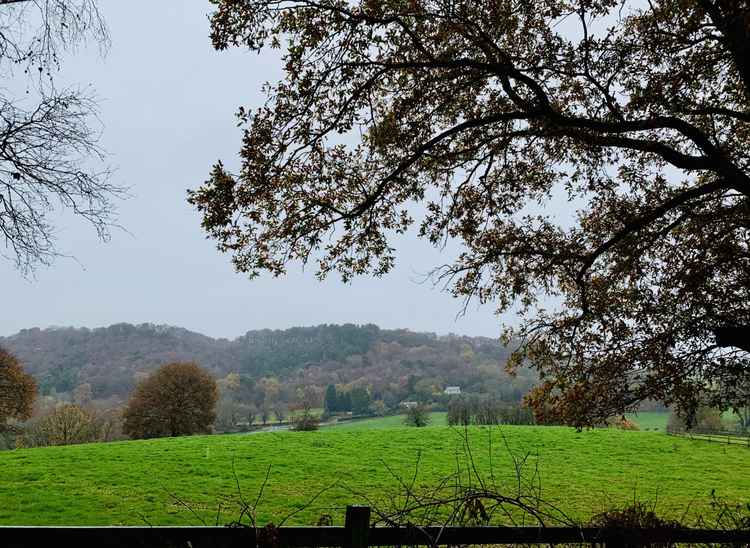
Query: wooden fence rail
[357, 533]
[730, 438]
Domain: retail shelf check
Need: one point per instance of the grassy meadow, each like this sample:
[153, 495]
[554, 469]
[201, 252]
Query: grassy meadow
[650, 420]
[646, 420]
[185, 480]
[437, 419]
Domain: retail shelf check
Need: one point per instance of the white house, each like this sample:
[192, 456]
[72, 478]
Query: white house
[452, 390]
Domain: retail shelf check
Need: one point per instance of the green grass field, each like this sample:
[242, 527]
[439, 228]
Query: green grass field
[650, 420]
[655, 421]
[178, 481]
[437, 419]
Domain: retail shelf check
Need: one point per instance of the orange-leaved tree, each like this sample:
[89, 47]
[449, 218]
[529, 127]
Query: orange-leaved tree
[177, 399]
[17, 390]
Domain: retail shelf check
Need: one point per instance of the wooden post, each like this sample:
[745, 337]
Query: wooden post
[357, 526]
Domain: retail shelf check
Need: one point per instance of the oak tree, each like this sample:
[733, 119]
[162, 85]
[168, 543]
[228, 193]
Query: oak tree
[17, 390]
[178, 399]
[590, 156]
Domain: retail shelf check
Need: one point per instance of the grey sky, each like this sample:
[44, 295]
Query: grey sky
[167, 104]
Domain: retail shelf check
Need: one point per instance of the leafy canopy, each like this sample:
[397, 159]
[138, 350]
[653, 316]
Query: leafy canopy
[492, 115]
[178, 399]
[17, 390]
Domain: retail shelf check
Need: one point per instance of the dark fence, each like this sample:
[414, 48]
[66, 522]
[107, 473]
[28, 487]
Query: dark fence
[731, 438]
[357, 533]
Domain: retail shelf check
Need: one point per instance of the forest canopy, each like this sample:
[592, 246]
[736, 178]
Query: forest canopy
[273, 364]
[490, 115]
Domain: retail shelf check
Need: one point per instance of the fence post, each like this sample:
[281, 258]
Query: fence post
[357, 526]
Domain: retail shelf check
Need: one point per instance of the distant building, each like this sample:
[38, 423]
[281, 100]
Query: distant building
[409, 404]
[452, 390]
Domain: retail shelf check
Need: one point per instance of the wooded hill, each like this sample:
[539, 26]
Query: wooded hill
[393, 364]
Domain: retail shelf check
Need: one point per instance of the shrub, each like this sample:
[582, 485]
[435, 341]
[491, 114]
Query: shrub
[417, 416]
[622, 423]
[66, 424]
[636, 515]
[305, 422]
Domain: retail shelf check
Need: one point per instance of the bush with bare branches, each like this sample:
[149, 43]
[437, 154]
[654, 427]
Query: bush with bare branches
[66, 424]
[418, 415]
[305, 421]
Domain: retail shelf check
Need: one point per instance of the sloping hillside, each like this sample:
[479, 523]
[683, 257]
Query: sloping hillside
[111, 359]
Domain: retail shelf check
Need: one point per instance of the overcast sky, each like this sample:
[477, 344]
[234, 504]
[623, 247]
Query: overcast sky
[167, 104]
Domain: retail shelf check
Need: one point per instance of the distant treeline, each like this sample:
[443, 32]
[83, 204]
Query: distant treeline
[465, 411]
[273, 366]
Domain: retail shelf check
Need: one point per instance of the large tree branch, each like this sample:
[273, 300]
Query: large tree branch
[737, 336]
[425, 147]
[710, 160]
[730, 18]
[637, 224]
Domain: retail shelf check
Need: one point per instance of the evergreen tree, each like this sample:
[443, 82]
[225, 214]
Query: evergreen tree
[360, 399]
[344, 401]
[330, 403]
